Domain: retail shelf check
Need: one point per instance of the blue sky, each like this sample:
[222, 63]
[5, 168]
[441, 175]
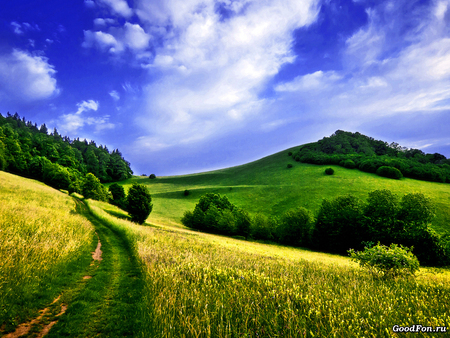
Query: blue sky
[182, 86]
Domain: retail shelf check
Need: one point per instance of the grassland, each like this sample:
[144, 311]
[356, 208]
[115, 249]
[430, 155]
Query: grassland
[267, 186]
[201, 285]
[44, 244]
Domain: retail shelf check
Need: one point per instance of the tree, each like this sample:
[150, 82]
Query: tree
[118, 195]
[381, 216]
[139, 203]
[93, 189]
[339, 224]
[295, 227]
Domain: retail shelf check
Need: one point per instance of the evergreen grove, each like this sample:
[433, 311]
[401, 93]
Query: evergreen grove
[31, 151]
[341, 224]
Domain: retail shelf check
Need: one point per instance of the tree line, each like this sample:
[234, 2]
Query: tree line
[343, 223]
[34, 152]
[354, 150]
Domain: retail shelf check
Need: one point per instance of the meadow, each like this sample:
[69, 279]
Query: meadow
[202, 285]
[43, 244]
[268, 187]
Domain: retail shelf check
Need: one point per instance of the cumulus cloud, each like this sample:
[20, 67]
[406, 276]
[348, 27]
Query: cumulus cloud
[119, 7]
[118, 39]
[215, 68]
[26, 76]
[70, 123]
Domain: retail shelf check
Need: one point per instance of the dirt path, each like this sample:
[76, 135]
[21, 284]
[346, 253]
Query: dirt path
[104, 303]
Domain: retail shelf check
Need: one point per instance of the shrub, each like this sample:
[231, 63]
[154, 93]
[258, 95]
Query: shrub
[186, 192]
[262, 227]
[389, 172]
[289, 165]
[339, 224]
[93, 189]
[290, 153]
[329, 171]
[349, 164]
[295, 227]
[118, 195]
[139, 204]
[152, 176]
[387, 262]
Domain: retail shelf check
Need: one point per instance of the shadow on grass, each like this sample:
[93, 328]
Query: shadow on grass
[118, 214]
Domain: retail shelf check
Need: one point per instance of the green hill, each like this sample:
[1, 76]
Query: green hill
[267, 186]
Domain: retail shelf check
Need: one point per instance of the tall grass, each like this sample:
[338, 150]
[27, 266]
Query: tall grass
[200, 285]
[41, 241]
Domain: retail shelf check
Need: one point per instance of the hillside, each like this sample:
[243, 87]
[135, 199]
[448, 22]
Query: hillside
[267, 186]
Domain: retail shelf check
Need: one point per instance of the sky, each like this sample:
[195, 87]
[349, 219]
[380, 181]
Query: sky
[184, 86]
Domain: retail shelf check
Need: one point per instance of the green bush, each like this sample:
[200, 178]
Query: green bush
[139, 203]
[387, 262]
[339, 224]
[329, 171]
[295, 227]
[186, 192]
[118, 195]
[289, 165]
[152, 176]
[93, 189]
[389, 172]
[349, 164]
[263, 227]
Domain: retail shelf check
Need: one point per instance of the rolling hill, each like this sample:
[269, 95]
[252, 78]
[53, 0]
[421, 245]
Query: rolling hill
[267, 186]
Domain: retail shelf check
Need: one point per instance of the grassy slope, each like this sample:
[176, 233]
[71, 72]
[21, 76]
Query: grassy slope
[39, 254]
[203, 285]
[267, 186]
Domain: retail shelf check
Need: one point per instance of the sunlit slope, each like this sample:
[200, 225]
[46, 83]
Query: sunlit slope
[43, 241]
[267, 186]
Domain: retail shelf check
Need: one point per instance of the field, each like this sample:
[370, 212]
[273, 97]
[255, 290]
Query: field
[267, 186]
[201, 285]
[43, 243]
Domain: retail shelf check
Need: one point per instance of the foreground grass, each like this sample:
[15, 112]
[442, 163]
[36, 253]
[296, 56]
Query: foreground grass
[200, 285]
[267, 186]
[44, 246]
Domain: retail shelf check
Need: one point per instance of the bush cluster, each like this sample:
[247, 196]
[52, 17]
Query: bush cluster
[138, 202]
[341, 223]
[387, 262]
[354, 150]
[329, 171]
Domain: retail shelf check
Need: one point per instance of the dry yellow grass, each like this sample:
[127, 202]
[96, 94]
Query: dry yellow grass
[40, 237]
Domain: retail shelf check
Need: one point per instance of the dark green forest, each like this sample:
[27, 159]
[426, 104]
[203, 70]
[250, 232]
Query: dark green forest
[354, 150]
[34, 152]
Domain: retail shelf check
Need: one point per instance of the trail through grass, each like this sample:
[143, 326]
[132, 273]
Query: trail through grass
[109, 304]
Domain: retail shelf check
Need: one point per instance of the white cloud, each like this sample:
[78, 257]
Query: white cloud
[119, 7]
[70, 123]
[412, 80]
[115, 95]
[17, 28]
[102, 40]
[89, 3]
[315, 81]
[214, 69]
[117, 39]
[25, 76]
[135, 36]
